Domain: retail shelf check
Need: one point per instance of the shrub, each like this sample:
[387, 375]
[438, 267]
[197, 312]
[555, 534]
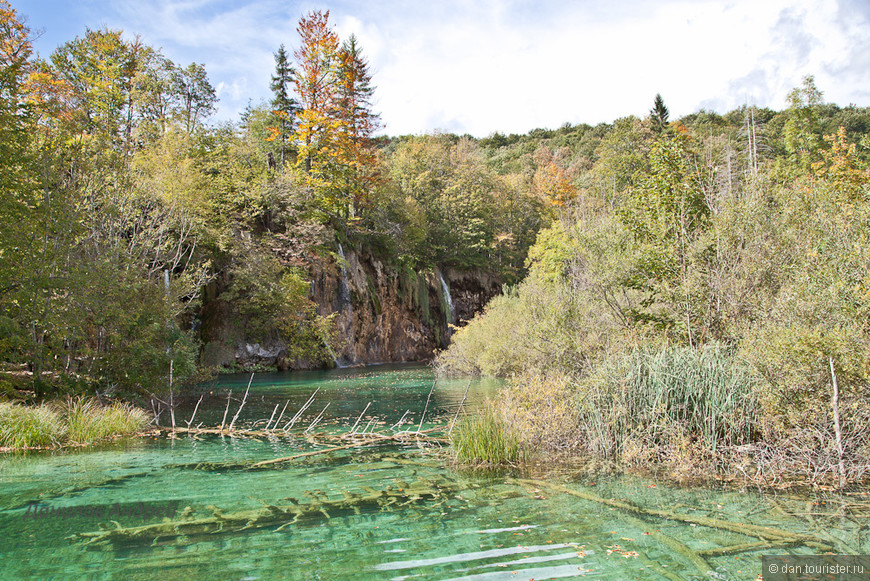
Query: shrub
[542, 412]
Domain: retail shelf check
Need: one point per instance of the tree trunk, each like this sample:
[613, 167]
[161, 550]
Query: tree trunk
[835, 403]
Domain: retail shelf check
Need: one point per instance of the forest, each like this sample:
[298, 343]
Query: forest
[699, 300]
[124, 207]
[689, 292]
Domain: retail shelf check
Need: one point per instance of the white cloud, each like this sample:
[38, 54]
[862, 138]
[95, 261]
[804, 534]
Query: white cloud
[513, 65]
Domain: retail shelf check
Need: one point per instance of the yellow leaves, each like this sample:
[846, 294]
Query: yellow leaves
[15, 45]
[274, 133]
[839, 166]
[552, 184]
[50, 94]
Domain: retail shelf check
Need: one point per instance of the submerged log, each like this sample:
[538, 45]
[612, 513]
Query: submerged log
[282, 516]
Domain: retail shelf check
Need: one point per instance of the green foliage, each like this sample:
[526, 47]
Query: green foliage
[458, 212]
[748, 229]
[665, 213]
[801, 131]
[284, 106]
[273, 303]
[659, 114]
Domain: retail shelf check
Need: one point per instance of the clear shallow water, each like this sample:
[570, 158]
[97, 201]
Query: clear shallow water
[468, 525]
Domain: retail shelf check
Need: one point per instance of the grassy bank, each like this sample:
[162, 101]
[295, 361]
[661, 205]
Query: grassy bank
[76, 421]
[688, 413]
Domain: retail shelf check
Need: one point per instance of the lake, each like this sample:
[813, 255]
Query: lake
[395, 511]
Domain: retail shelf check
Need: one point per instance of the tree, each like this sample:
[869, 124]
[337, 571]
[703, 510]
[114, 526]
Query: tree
[15, 51]
[358, 123]
[154, 94]
[801, 130]
[665, 213]
[551, 182]
[317, 58]
[197, 96]
[659, 114]
[17, 184]
[100, 69]
[284, 107]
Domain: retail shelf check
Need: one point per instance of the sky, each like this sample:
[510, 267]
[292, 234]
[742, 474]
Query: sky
[511, 66]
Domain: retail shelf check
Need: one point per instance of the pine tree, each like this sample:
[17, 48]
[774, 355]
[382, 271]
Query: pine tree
[659, 114]
[284, 106]
[353, 108]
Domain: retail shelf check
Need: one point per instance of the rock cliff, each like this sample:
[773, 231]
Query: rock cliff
[383, 315]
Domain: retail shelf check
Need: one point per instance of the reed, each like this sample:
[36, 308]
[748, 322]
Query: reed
[655, 396]
[26, 427]
[486, 439]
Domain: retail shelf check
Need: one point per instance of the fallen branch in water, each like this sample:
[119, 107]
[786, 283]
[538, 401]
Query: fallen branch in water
[734, 549]
[360, 440]
[761, 532]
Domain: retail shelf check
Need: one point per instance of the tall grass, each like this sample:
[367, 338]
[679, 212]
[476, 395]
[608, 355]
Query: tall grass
[485, 439]
[652, 397]
[89, 421]
[26, 427]
[80, 421]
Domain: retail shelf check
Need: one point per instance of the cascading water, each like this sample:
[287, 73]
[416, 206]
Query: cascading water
[344, 308]
[451, 312]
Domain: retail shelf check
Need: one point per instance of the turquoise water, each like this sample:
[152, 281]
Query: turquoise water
[432, 520]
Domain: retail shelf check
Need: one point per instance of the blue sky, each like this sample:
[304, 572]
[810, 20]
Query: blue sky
[511, 65]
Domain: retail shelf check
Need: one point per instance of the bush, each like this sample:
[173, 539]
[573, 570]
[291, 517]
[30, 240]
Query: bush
[542, 411]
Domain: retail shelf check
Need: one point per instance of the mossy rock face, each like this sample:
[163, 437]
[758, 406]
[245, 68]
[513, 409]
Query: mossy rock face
[374, 296]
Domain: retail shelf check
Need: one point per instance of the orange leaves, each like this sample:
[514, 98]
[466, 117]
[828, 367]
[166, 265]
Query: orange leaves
[335, 123]
[551, 180]
[15, 45]
[274, 133]
[839, 166]
[51, 95]
[317, 61]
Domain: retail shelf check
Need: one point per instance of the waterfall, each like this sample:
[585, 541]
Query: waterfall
[445, 290]
[344, 310]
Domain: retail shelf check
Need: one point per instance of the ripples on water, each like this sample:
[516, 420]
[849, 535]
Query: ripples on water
[482, 527]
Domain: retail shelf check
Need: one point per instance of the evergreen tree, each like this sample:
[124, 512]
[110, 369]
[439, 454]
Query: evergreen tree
[284, 106]
[353, 109]
[659, 114]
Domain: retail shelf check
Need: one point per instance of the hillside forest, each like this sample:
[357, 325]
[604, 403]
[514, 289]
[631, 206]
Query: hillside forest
[674, 290]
